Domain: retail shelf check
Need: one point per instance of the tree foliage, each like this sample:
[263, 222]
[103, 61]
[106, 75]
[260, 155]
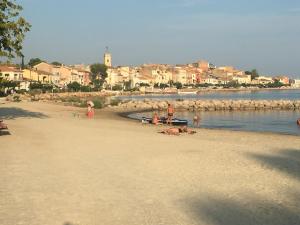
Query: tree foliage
[254, 74]
[12, 29]
[34, 61]
[74, 86]
[56, 63]
[98, 71]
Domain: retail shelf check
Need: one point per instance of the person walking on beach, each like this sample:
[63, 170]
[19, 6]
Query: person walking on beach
[170, 112]
[90, 110]
[196, 120]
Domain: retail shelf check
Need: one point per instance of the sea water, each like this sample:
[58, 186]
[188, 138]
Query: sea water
[276, 121]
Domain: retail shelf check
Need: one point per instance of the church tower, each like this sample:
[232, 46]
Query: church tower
[107, 58]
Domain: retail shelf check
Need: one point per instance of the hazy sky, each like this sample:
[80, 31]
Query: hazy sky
[262, 34]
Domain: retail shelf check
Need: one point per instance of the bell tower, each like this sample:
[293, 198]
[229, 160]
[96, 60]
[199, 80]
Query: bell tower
[107, 58]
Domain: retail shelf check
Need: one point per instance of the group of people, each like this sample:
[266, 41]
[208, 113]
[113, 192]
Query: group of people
[170, 114]
[175, 130]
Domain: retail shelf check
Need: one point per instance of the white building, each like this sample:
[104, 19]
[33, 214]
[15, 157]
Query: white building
[295, 83]
[242, 79]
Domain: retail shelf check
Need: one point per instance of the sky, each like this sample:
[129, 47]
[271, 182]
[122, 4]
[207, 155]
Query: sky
[261, 34]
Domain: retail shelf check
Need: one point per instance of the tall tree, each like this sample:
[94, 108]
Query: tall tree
[254, 74]
[98, 71]
[12, 29]
[34, 61]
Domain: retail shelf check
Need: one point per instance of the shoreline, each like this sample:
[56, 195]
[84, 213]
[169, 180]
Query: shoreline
[125, 115]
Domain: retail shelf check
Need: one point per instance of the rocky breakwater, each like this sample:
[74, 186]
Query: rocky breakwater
[211, 105]
[57, 97]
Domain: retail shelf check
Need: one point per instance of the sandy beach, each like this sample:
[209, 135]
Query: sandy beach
[57, 168]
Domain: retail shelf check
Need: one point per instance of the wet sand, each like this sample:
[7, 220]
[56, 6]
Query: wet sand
[57, 169]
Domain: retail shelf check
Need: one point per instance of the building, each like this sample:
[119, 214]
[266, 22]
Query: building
[107, 59]
[282, 79]
[40, 76]
[11, 73]
[295, 83]
[242, 79]
[262, 80]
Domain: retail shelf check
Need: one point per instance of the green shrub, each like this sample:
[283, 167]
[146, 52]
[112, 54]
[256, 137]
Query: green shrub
[16, 98]
[117, 88]
[115, 102]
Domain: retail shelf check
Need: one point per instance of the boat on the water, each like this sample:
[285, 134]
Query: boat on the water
[163, 120]
[298, 121]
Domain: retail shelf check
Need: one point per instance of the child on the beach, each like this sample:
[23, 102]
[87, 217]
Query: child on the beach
[155, 119]
[90, 110]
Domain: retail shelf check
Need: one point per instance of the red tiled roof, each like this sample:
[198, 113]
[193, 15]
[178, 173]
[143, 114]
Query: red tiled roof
[9, 69]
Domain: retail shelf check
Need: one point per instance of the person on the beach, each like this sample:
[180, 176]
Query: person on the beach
[177, 131]
[196, 120]
[3, 126]
[90, 110]
[155, 119]
[170, 112]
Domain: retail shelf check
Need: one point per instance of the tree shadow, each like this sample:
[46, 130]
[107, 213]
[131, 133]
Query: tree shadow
[14, 113]
[286, 161]
[220, 211]
[253, 210]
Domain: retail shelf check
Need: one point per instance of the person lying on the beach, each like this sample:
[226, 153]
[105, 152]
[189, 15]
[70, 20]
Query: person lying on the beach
[177, 131]
[3, 126]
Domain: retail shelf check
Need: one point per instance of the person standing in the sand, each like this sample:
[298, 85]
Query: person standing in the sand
[170, 112]
[155, 119]
[90, 110]
[196, 120]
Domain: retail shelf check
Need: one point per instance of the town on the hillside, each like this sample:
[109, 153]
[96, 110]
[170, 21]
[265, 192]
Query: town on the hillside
[144, 78]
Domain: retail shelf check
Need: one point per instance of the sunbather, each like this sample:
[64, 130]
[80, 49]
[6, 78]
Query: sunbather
[177, 131]
[3, 126]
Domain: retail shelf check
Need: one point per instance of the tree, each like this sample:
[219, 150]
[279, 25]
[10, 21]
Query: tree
[74, 86]
[56, 63]
[254, 74]
[178, 85]
[12, 29]
[34, 61]
[99, 71]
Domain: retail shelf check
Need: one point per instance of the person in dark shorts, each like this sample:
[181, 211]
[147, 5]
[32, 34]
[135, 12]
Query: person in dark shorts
[170, 112]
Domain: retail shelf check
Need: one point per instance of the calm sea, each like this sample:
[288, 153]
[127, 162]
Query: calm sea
[277, 121]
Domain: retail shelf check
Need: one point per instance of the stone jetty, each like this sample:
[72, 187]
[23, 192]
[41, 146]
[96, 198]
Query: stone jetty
[211, 105]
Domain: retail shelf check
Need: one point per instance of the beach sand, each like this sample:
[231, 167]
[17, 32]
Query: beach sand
[58, 169]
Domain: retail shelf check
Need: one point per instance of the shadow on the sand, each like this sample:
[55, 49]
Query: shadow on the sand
[4, 132]
[253, 209]
[286, 161]
[220, 211]
[14, 113]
